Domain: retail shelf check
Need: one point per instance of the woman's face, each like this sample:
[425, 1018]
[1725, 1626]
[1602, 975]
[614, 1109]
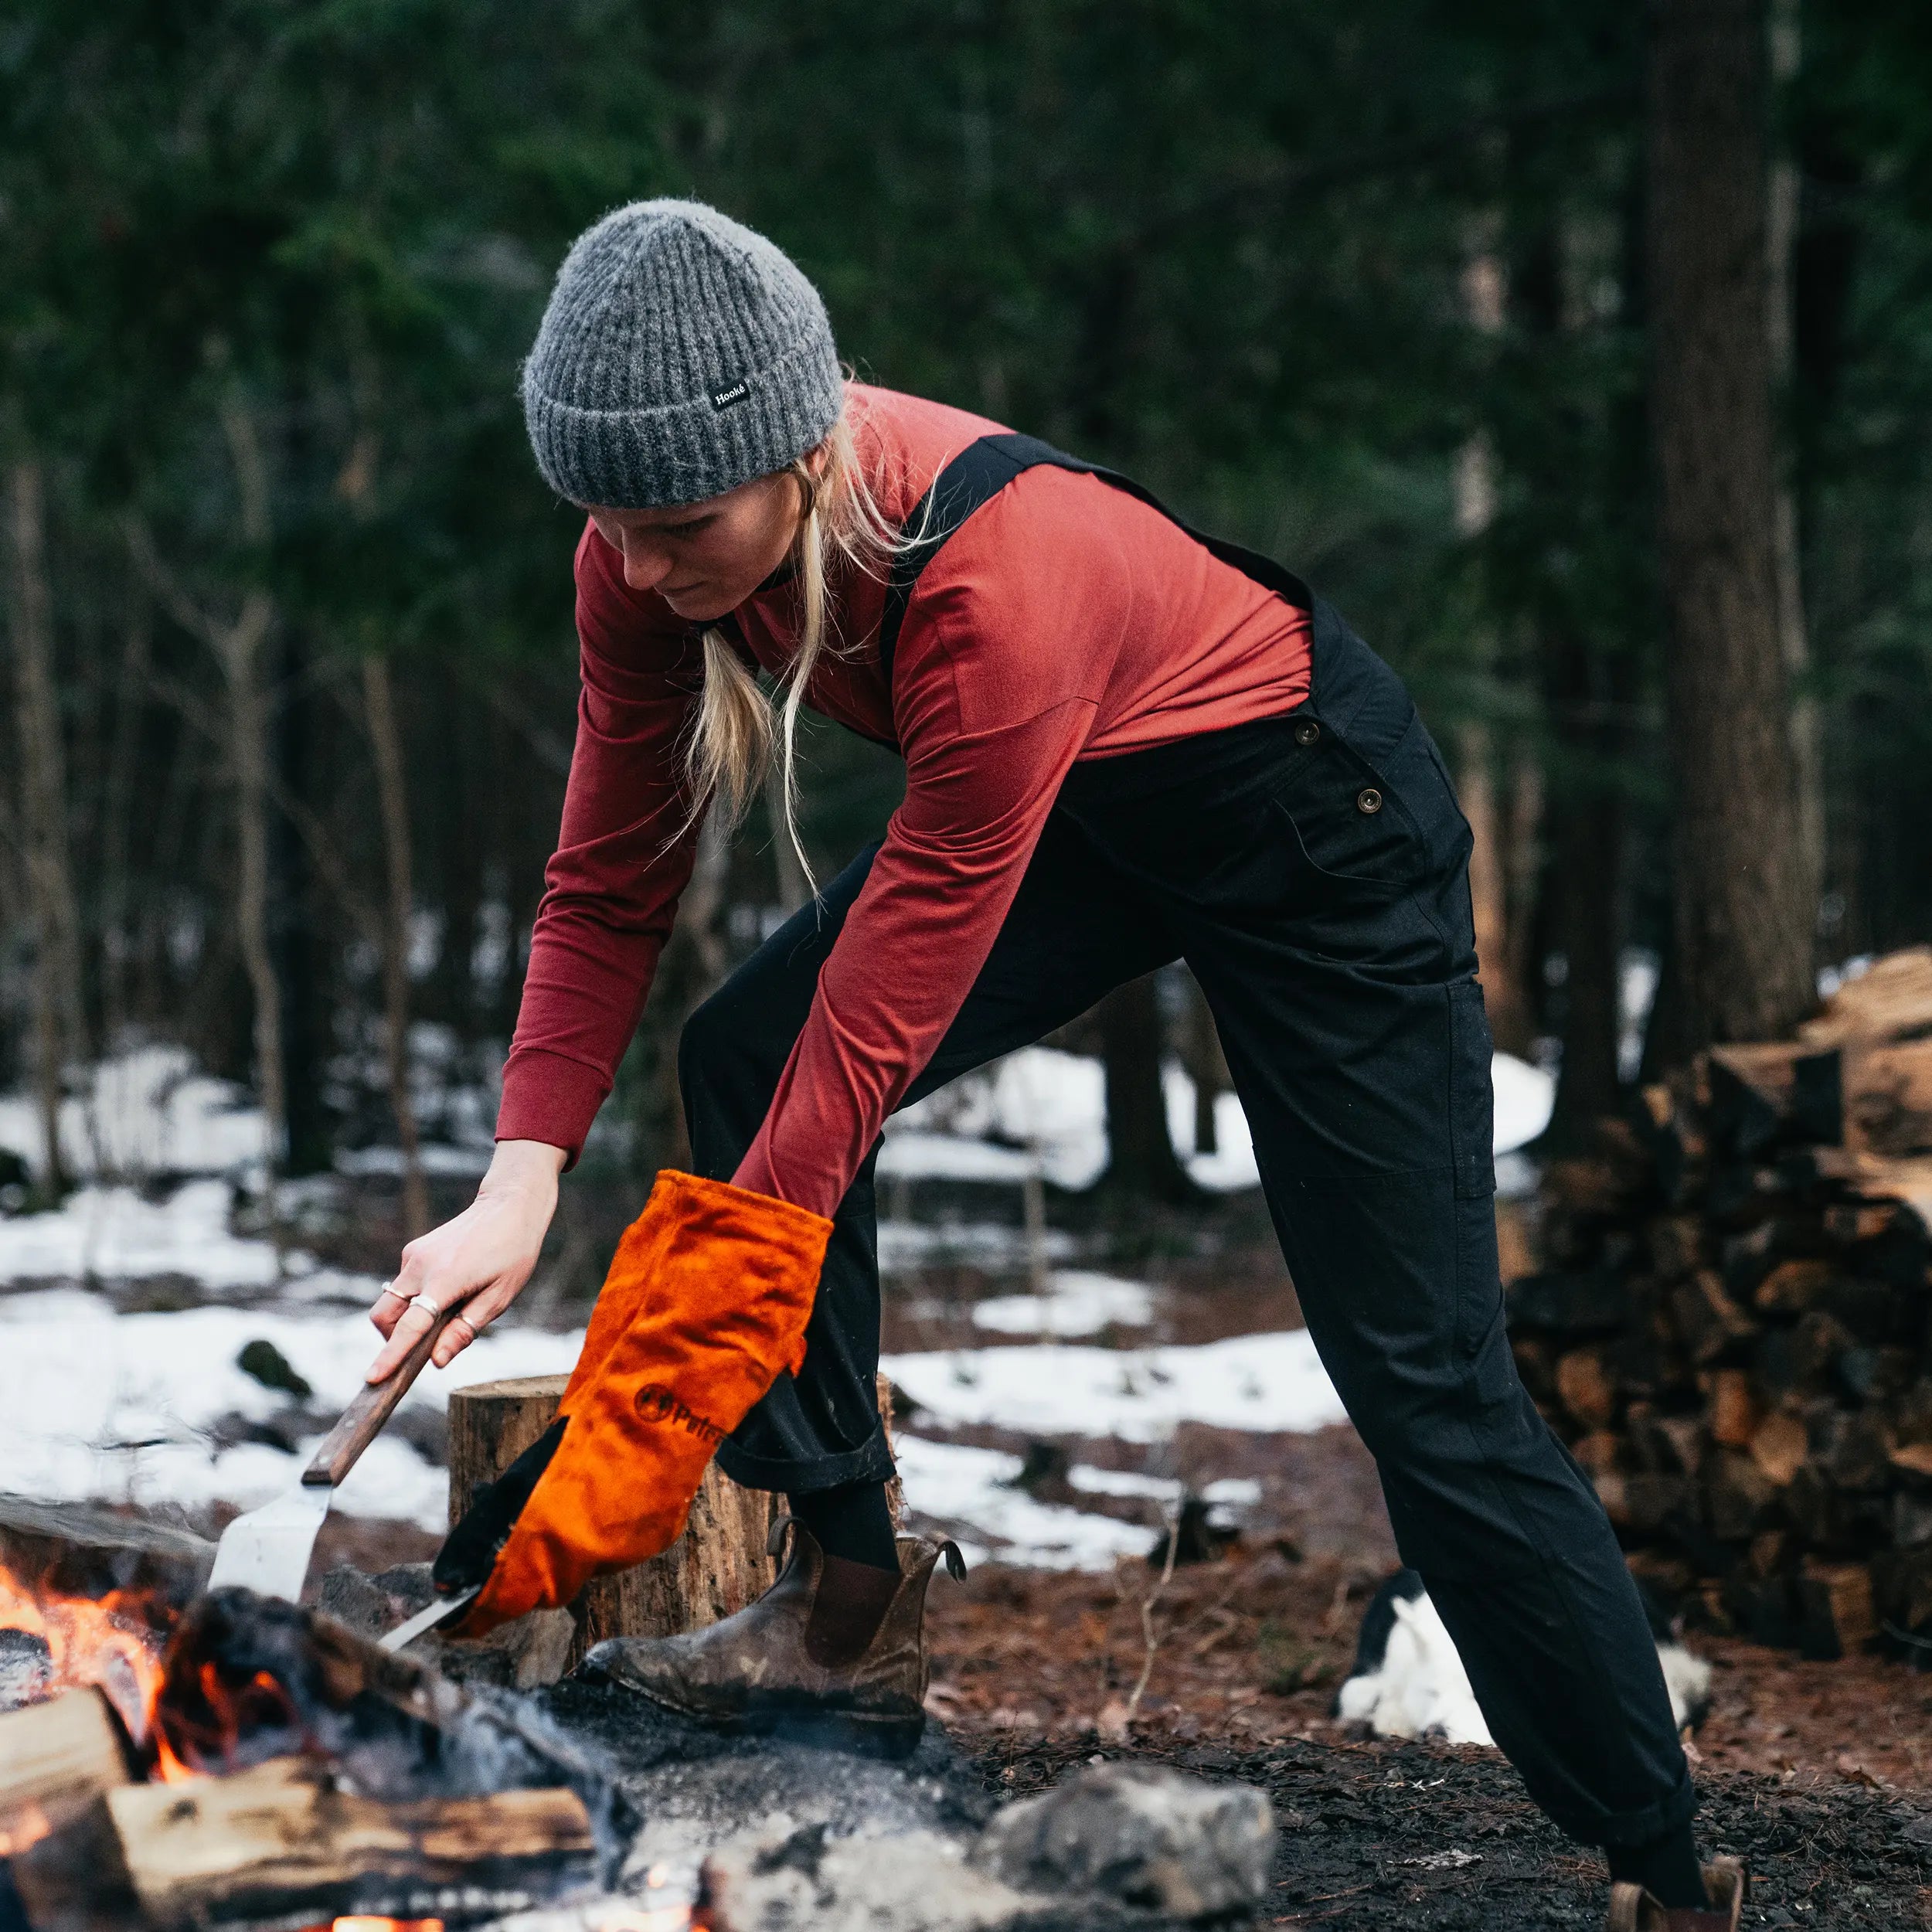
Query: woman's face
[705, 558]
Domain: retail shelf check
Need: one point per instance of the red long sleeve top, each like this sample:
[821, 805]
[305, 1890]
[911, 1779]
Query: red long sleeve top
[1065, 620]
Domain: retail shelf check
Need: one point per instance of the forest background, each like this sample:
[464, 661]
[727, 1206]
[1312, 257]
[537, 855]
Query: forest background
[1582, 356]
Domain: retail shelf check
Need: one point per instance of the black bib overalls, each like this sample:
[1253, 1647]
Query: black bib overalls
[1312, 870]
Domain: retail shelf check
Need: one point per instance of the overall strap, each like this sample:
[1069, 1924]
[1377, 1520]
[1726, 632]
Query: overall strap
[978, 474]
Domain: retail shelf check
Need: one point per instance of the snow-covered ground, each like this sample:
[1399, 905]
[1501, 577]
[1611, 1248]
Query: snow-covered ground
[146, 1112]
[99, 1404]
[1040, 1110]
[1272, 1383]
[98, 1400]
[95, 1402]
[971, 1491]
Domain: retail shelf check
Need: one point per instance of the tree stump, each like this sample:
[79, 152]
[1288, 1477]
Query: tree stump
[718, 1565]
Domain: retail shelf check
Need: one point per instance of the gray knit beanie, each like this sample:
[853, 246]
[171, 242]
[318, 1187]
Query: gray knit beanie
[680, 355]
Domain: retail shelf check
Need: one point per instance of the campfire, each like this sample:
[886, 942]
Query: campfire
[236, 1761]
[174, 1759]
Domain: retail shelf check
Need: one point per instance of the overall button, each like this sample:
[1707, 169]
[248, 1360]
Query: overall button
[1367, 799]
[1307, 732]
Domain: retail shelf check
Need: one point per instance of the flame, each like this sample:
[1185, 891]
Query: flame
[26, 1826]
[110, 1642]
[187, 1745]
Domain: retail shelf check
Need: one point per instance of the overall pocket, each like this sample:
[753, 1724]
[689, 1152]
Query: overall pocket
[1356, 822]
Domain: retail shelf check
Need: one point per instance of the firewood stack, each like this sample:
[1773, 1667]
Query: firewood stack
[1730, 1327]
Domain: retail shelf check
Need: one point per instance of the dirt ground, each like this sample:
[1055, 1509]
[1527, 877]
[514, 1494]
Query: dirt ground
[1819, 1774]
[1429, 1838]
[1251, 1648]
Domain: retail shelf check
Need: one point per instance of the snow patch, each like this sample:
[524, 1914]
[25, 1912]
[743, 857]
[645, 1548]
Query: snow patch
[968, 1490]
[145, 1111]
[95, 1404]
[1258, 1382]
[1041, 1110]
[114, 1234]
[1079, 1302]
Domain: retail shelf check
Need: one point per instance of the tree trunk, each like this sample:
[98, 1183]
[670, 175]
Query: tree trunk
[59, 1032]
[794, 888]
[1745, 897]
[1207, 1067]
[299, 953]
[1499, 909]
[379, 702]
[1585, 822]
[1808, 740]
[1141, 1164]
[117, 938]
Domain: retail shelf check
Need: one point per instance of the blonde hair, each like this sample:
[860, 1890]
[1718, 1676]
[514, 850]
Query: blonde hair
[739, 725]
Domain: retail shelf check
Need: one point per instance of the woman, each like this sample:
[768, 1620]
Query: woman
[1125, 744]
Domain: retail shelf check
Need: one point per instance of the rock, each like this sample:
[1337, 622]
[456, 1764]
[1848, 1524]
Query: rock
[912, 1881]
[358, 1601]
[269, 1366]
[426, 1431]
[526, 1654]
[1148, 1836]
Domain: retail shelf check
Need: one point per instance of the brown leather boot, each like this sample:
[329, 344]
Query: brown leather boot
[1633, 1910]
[756, 1671]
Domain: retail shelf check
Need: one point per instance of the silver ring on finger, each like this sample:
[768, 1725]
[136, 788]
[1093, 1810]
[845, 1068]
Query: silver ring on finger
[463, 1321]
[429, 1307]
[389, 1287]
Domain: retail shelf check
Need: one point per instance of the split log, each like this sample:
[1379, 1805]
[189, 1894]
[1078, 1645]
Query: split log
[283, 1840]
[1668, 1125]
[1677, 1244]
[1779, 1446]
[1667, 1445]
[1734, 1410]
[1585, 1385]
[1851, 1223]
[1708, 1320]
[73, 1879]
[1892, 999]
[1793, 1288]
[56, 1757]
[1873, 1099]
[1738, 1498]
[1852, 1452]
[1798, 1360]
[1750, 1091]
[1836, 1612]
[1558, 1302]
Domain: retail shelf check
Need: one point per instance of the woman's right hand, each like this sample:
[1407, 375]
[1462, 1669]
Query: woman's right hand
[477, 1263]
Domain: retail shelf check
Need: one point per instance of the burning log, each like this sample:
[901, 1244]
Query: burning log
[73, 1550]
[248, 1678]
[57, 1641]
[54, 1758]
[285, 1840]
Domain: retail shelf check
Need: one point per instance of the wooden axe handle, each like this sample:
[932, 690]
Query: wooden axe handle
[362, 1422]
